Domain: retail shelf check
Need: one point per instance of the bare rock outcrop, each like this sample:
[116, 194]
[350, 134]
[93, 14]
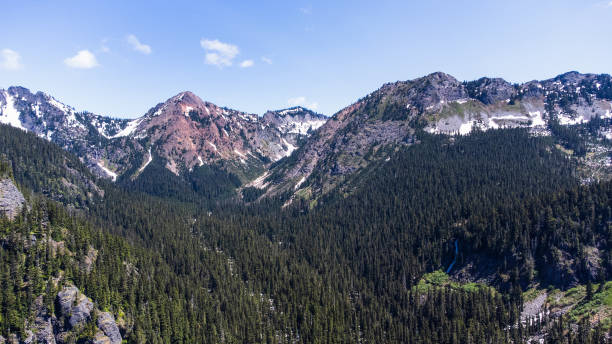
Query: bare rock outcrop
[106, 323]
[11, 199]
[81, 313]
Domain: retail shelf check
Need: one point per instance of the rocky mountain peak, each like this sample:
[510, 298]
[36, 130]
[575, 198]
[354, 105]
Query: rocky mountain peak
[187, 97]
[440, 78]
[572, 77]
[439, 103]
[440, 87]
[407, 98]
[180, 105]
[185, 131]
[490, 90]
[294, 120]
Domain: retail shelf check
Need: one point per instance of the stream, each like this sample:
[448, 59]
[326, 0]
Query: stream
[455, 259]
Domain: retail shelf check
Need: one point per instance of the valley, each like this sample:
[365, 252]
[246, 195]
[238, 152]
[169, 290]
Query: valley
[430, 210]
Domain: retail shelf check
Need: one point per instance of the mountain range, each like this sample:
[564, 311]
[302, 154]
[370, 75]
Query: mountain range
[431, 210]
[185, 132]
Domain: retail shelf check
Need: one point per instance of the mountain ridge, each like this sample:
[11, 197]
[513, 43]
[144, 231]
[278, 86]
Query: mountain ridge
[185, 132]
[439, 104]
[182, 124]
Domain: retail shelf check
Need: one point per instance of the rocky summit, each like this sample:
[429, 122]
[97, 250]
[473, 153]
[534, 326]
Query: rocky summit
[184, 131]
[439, 104]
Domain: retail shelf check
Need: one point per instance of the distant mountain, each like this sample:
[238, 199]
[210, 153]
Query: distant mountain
[368, 130]
[297, 120]
[184, 131]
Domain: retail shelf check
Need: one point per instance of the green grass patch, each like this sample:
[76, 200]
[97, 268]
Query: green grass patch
[439, 279]
[516, 107]
[455, 109]
[599, 307]
[304, 193]
[531, 294]
[471, 287]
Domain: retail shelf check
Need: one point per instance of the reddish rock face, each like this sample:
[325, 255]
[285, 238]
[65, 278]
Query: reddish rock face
[184, 131]
[188, 131]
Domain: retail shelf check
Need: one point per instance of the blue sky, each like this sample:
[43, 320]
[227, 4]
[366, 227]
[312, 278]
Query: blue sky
[119, 58]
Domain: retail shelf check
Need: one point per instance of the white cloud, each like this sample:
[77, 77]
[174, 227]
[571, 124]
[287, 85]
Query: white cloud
[610, 4]
[247, 63]
[10, 60]
[218, 53]
[266, 60]
[301, 101]
[84, 59]
[136, 45]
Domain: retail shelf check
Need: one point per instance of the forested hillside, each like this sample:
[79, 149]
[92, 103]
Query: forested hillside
[360, 264]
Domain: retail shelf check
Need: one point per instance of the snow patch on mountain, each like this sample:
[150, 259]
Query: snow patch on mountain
[212, 145]
[146, 163]
[484, 121]
[302, 128]
[291, 110]
[68, 111]
[187, 110]
[299, 183]
[569, 120]
[108, 172]
[466, 128]
[290, 147]
[537, 120]
[10, 115]
[129, 129]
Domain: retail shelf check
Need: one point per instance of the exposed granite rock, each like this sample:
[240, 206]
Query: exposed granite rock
[77, 308]
[57, 247]
[100, 338]
[63, 337]
[79, 313]
[82, 312]
[44, 331]
[66, 298]
[89, 259]
[11, 199]
[106, 322]
[593, 262]
[29, 339]
[490, 91]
